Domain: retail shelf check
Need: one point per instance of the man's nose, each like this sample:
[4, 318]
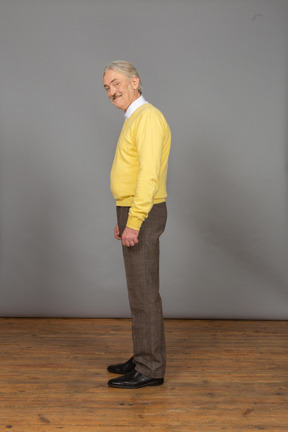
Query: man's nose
[112, 90]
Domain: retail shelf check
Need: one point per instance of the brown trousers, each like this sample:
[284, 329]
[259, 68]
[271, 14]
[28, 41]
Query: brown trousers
[142, 274]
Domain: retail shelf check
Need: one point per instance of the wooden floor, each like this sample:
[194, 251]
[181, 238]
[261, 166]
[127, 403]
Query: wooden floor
[222, 376]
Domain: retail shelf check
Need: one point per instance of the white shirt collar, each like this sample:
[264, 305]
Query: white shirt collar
[136, 104]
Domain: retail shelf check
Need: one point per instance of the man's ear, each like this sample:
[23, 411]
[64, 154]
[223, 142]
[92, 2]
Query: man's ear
[135, 83]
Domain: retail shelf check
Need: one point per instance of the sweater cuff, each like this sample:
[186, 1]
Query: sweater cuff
[134, 223]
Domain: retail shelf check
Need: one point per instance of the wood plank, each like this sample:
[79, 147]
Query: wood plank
[222, 376]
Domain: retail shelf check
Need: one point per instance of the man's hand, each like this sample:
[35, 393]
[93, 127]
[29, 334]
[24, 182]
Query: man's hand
[117, 233]
[129, 237]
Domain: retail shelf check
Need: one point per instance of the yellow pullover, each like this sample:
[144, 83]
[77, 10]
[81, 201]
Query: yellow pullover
[139, 171]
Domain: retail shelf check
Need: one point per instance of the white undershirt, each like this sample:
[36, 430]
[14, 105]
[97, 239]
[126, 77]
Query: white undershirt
[136, 104]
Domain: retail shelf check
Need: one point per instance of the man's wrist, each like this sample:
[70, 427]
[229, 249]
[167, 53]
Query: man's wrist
[134, 223]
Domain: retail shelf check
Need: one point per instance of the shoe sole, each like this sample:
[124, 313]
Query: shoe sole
[118, 372]
[152, 384]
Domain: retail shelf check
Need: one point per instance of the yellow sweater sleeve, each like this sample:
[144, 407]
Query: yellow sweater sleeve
[149, 142]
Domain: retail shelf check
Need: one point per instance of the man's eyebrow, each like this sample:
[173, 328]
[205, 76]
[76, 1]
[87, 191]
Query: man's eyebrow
[106, 85]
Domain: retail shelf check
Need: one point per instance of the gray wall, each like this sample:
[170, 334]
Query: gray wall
[218, 71]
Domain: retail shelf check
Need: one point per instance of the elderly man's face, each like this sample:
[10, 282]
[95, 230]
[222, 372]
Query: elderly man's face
[121, 90]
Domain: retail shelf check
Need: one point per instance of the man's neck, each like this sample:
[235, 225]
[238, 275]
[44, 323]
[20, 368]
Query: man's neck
[135, 105]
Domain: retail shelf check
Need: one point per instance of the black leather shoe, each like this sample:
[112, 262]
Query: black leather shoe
[134, 380]
[122, 368]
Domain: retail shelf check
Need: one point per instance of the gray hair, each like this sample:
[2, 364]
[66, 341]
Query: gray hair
[125, 68]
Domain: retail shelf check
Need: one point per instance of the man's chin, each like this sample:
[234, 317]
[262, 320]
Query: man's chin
[117, 102]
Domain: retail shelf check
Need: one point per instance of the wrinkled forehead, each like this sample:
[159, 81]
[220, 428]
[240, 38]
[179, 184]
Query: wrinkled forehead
[112, 75]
